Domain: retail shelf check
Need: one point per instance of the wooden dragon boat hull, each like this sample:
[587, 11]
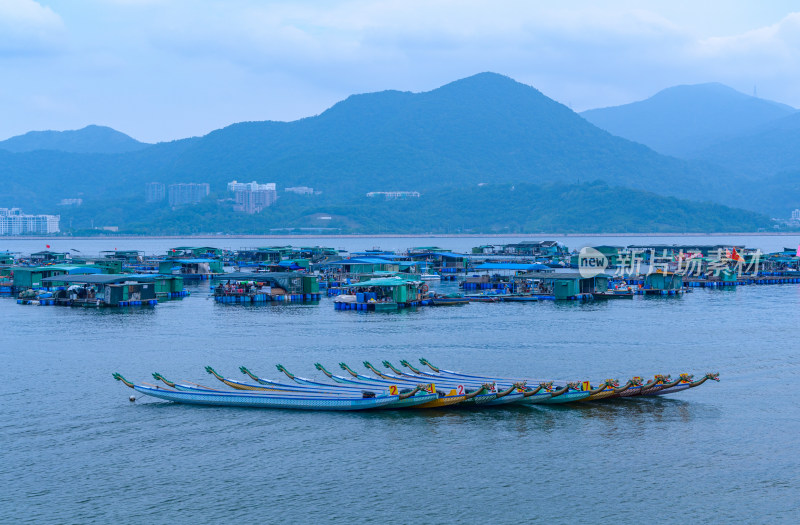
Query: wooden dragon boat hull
[535, 399]
[508, 399]
[479, 400]
[441, 402]
[236, 399]
[631, 392]
[605, 394]
[671, 390]
[568, 397]
[417, 399]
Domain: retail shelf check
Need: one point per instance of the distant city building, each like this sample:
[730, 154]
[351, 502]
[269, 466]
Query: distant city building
[250, 186]
[14, 222]
[155, 192]
[252, 197]
[391, 195]
[70, 202]
[300, 190]
[796, 215]
[190, 193]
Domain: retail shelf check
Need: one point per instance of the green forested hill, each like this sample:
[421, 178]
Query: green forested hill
[494, 208]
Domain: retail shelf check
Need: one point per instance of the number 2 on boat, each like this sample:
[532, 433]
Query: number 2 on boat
[460, 390]
[393, 390]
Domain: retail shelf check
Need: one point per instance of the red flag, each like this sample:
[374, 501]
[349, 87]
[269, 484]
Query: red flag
[736, 257]
[47, 245]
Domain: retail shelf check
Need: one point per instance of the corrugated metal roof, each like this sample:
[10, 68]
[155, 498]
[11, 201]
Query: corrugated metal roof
[382, 281]
[100, 278]
[513, 266]
[450, 255]
[363, 260]
[193, 261]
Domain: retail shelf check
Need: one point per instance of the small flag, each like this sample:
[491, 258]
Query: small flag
[798, 251]
[47, 245]
[728, 253]
[736, 257]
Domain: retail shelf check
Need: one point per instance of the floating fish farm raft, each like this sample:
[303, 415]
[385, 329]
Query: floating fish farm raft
[378, 280]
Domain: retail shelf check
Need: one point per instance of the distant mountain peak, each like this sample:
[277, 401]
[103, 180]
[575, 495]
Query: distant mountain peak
[89, 139]
[680, 120]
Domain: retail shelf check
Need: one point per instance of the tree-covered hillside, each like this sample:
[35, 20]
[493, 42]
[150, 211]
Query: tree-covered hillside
[493, 208]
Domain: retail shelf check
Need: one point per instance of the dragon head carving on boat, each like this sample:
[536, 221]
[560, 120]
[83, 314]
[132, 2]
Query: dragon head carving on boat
[574, 385]
[322, 369]
[159, 377]
[521, 385]
[714, 376]
[427, 363]
[118, 377]
[547, 386]
[389, 365]
[686, 378]
[410, 366]
[214, 373]
[637, 381]
[347, 369]
[281, 368]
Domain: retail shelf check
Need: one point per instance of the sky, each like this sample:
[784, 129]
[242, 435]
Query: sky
[161, 70]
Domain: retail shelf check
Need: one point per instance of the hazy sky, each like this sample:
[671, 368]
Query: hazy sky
[166, 69]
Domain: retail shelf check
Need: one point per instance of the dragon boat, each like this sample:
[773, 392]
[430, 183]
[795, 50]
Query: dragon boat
[408, 397]
[506, 394]
[485, 393]
[262, 400]
[467, 397]
[546, 394]
[444, 398]
[684, 382]
[660, 385]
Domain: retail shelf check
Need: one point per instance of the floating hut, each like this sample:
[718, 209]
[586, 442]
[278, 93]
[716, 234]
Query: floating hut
[383, 294]
[48, 257]
[569, 285]
[662, 283]
[447, 264]
[34, 277]
[95, 290]
[8, 258]
[192, 269]
[500, 276]
[195, 252]
[531, 249]
[260, 287]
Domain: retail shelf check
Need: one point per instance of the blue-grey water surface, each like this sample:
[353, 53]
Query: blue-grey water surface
[75, 450]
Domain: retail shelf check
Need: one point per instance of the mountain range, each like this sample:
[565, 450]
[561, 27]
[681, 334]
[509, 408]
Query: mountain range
[482, 130]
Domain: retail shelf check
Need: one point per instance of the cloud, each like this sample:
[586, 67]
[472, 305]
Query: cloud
[28, 28]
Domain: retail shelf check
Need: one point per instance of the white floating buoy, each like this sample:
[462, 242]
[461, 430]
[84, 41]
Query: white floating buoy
[132, 398]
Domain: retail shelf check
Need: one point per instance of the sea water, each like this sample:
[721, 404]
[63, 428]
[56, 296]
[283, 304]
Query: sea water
[76, 450]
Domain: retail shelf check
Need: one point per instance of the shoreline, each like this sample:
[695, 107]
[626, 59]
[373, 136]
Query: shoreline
[398, 235]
